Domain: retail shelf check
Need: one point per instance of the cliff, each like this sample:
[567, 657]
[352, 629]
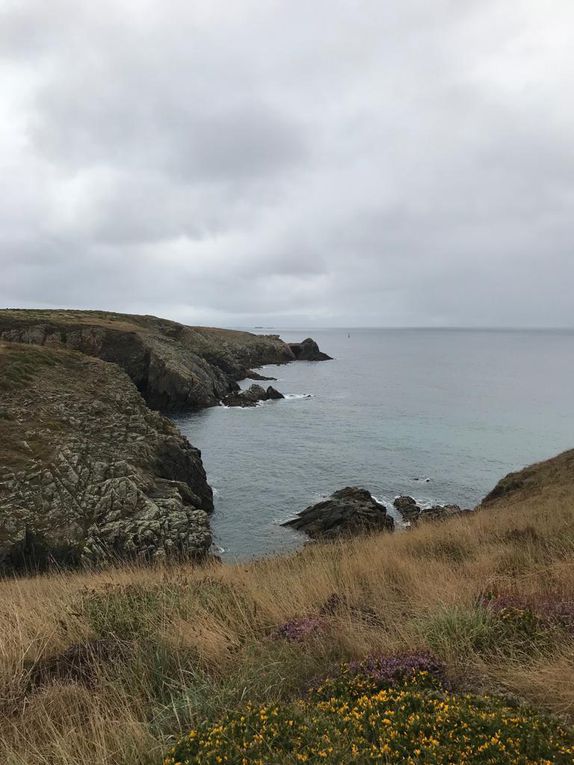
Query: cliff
[88, 473]
[173, 365]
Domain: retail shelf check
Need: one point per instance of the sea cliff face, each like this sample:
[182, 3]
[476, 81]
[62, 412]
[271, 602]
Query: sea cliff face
[88, 473]
[172, 365]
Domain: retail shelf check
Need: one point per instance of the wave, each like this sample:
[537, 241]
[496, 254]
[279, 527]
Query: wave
[297, 396]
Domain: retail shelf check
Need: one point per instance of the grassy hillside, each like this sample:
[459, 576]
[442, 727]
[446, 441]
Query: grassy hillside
[113, 667]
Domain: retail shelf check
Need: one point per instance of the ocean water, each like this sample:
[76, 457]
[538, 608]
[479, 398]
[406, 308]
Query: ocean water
[441, 415]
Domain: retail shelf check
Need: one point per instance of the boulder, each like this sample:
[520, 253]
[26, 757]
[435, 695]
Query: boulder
[407, 507]
[308, 350]
[252, 396]
[349, 511]
[273, 394]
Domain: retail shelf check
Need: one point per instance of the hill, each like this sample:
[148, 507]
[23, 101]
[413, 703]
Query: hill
[470, 622]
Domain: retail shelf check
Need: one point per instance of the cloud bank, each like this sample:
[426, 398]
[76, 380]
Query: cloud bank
[294, 164]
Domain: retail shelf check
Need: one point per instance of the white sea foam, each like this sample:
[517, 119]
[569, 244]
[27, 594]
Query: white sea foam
[297, 396]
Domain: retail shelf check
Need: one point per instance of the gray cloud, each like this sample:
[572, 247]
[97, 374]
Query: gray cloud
[322, 163]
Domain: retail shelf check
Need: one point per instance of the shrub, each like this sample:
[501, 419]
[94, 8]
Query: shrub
[347, 722]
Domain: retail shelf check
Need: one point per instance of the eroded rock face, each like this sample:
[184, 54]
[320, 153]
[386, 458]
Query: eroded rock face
[88, 473]
[308, 350]
[349, 511]
[252, 396]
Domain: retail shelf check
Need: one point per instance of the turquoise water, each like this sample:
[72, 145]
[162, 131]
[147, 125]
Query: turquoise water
[438, 414]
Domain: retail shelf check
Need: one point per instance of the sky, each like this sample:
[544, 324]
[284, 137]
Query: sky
[291, 164]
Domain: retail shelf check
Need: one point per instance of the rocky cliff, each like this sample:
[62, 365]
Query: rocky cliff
[88, 473]
[172, 365]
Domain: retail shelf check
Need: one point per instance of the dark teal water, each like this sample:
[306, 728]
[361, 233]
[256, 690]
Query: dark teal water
[459, 408]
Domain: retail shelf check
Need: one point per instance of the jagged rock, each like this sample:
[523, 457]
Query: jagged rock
[440, 512]
[407, 507]
[349, 511]
[308, 350]
[252, 396]
[251, 374]
[89, 472]
[273, 394]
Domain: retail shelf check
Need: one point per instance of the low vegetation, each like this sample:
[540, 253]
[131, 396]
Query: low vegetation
[470, 623]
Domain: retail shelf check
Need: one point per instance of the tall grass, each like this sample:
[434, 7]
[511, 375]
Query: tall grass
[110, 667]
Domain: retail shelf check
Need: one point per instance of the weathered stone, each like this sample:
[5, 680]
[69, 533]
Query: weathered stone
[407, 507]
[102, 478]
[252, 396]
[251, 374]
[349, 511]
[308, 350]
[440, 512]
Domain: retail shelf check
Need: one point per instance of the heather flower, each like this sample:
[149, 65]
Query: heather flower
[298, 629]
[378, 672]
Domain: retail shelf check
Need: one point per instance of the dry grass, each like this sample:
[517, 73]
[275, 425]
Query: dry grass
[188, 643]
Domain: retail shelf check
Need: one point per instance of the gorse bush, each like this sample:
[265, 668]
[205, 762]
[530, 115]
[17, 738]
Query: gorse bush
[386, 710]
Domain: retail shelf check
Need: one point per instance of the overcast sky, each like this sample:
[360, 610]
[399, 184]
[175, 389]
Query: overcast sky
[290, 162]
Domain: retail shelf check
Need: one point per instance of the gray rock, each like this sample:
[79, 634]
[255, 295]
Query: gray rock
[101, 477]
[440, 512]
[308, 350]
[252, 396]
[349, 511]
[251, 374]
[407, 507]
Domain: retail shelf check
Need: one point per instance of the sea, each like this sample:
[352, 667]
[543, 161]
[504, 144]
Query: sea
[440, 415]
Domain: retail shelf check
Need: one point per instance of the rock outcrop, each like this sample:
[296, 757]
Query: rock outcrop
[252, 396]
[308, 350]
[407, 507]
[412, 513]
[88, 473]
[251, 374]
[349, 511]
[440, 512]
